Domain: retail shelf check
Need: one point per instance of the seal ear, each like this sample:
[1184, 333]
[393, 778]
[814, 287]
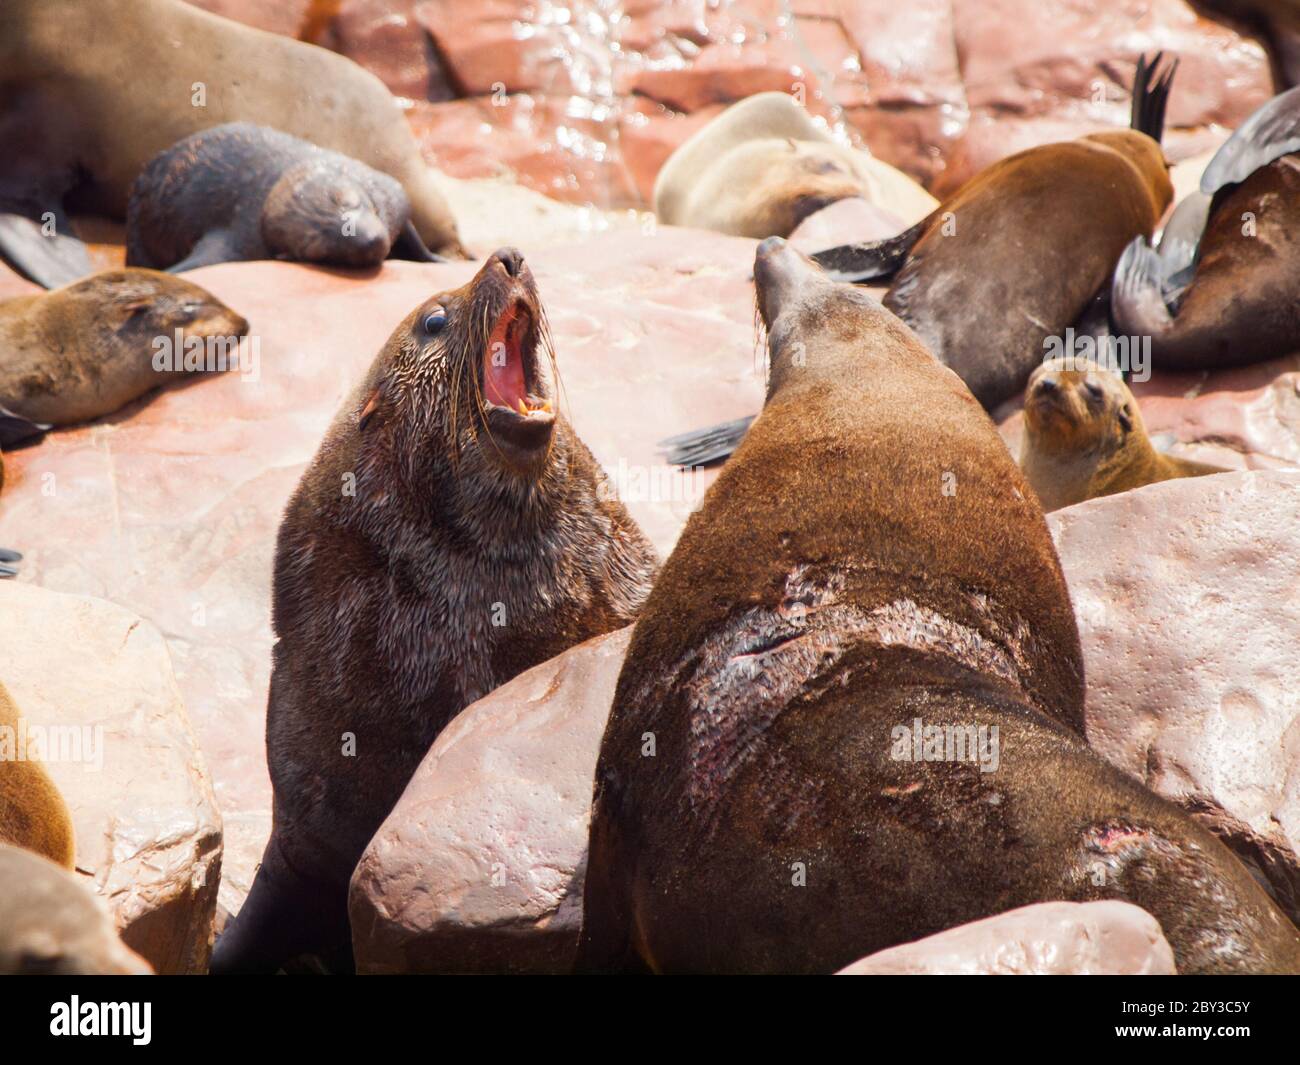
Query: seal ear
[372, 405]
[1125, 419]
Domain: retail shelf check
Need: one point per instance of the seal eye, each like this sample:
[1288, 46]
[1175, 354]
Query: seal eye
[434, 321]
[1094, 391]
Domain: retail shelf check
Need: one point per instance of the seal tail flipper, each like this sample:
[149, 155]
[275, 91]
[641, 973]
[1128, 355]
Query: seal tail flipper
[700, 447]
[1272, 131]
[1137, 303]
[1151, 95]
[875, 260]
[410, 246]
[51, 260]
[1182, 236]
[213, 247]
[17, 431]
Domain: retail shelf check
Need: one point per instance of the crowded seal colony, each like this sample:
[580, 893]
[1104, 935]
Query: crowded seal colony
[487, 494]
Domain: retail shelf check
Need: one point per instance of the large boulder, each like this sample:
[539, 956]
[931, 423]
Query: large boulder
[1048, 939]
[1186, 597]
[480, 866]
[94, 683]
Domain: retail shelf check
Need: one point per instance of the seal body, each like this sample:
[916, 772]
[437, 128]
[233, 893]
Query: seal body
[1084, 437]
[89, 348]
[793, 774]
[90, 93]
[33, 814]
[451, 533]
[763, 166]
[242, 191]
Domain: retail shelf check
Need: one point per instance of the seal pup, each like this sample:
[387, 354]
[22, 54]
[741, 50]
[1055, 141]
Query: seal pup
[87, 349]
[1084, 437]
[89, 93]
[981, 280]
[33, 814]
[451, 532]
[1221, 290]
[869, 572]
[240, 191]
[763, 166]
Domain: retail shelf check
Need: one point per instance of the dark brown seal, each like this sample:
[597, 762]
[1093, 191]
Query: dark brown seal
[91, 347]
[1084, 437]
[451, 533]
[33, 814]
[800, 767]
[242, 191]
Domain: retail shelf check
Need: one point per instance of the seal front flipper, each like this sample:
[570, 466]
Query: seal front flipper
[699, 447]
[408, 245]
[215, 246]
[17, 431]
[1179, 241]
[52, 260]
[1270, 133]
[876, 260]
[1137, 302]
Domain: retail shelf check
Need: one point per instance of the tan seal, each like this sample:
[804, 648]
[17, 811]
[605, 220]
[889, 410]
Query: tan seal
[33, 814]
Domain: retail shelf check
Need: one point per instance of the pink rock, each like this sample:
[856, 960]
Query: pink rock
[148, 834]
[480, 866]
[1185, 593]
[385, 37]
[845, 222]
[286, 17]
[1048, 939]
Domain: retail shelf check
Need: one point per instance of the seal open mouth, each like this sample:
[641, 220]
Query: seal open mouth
[509, 363]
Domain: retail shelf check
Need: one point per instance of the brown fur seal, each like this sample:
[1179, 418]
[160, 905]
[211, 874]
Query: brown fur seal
[85, 350]
[1221, 291]
[451, 533]
[866, 591]
[33, 814]
[89, 93]
[763, 166]
[1084, 437]
[52, 925]
[241, 191]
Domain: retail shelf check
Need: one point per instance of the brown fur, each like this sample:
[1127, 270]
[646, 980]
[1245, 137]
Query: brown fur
[87, 349]
[385, 600]
[826, 592]
[33, 814]
[1084, 437]
[94, 91]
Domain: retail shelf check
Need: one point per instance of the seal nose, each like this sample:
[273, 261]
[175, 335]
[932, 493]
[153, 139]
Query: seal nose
[1048, 385]
[511, 259]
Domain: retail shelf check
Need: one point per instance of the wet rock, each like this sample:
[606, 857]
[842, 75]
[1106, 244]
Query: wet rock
[480, 866]
[1048, 939]
[51, 924]
[385, 37]
[96, 681]
[1185, 593]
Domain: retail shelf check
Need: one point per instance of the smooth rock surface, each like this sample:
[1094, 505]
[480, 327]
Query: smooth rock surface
[1048, 939]
[480, 866]
[1186, 593]
[148, 833]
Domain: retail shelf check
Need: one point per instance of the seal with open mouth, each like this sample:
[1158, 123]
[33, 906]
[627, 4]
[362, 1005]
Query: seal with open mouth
[451, 532]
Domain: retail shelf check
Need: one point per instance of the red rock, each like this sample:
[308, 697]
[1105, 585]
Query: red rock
[385, 37]
[1048, 939]
[480, 866]
[1185, 594]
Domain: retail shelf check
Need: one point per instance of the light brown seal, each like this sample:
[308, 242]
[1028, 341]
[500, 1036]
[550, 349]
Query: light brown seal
[451, 532]
[1084, 437]
[801, 766]
[33, 814]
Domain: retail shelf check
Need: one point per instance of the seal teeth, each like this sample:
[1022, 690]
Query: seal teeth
[523, 408]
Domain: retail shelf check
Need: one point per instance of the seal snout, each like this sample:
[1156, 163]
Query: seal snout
[778, 272]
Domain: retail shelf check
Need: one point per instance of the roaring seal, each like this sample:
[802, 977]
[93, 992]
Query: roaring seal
[981, 280]
[1084, 437]
[452, 532]
[33, 814]
[51, 924]
[801, 765]
[241, 191]
[85, 350]
[1221, 290]
[89, 93]
[763, 166]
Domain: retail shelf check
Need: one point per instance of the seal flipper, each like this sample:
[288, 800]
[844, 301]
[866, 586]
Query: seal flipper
[699, 447]
[875, 260]
[1150, 97]
[1137, 302]
[17, 431]
[408, 245]
[1271, 132]
[1179, 243]
[51, 261]
[215, 246]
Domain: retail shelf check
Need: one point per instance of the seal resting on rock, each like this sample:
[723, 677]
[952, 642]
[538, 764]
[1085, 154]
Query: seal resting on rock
[33, 814]
[89, 93]
[89, 348]
[241, 191]
[763, 166]
[1084, 437]
[849, 713]
[452, 532]
[1221, 291]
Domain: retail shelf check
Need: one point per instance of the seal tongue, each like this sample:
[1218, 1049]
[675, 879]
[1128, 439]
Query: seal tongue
[503, 367]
